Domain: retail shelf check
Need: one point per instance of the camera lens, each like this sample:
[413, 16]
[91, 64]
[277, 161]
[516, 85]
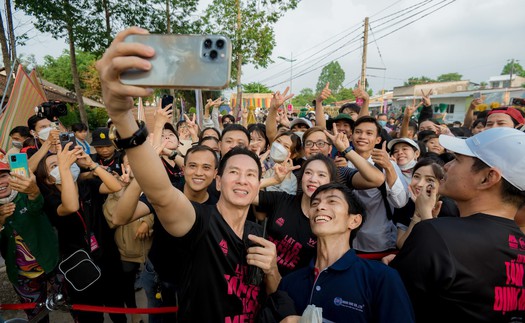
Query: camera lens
[13, 158]
[207, 43]
[220, 43]
[213, 54]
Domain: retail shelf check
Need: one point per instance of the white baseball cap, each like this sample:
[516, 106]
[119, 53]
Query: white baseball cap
[408, 141]
[502, 148]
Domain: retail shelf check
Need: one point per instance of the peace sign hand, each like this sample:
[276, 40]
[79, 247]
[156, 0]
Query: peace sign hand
[425, 100]
[278, 98]
[339, 139]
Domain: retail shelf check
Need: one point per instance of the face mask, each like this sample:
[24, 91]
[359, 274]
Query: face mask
[382, 123]
[55, 173]
[278, 152]
[44, 133]
[17, 144]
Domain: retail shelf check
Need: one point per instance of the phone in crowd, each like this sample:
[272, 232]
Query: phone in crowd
[66, 137]
[18, 164]
[183, 62]
[166, 100]
[476, 95]
[55, 125]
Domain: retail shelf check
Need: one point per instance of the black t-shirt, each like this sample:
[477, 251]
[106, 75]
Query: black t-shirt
[467, 269]
[175, 174]
[212, 271]
[289, 229]
[113, 164]
[162, 244]
[75, 229]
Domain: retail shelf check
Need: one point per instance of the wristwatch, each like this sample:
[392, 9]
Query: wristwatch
[173, 155]
[137, 139]
[347, 150]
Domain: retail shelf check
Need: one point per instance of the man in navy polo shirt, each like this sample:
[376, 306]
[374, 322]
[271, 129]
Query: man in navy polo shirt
[346, 287]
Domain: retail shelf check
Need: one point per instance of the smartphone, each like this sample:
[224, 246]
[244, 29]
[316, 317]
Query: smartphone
[183, 62]
[166, 100]
[18, 164]
[476, 95]
[66, 137]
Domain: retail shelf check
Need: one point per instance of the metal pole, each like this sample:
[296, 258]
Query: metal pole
[6, 87]
[363, 65]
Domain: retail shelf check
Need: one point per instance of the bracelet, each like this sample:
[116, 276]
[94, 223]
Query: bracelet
[347, 150]
[93, 169]
[173, 155]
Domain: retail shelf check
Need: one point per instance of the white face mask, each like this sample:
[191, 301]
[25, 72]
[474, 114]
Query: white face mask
[278, 153]
[300, 134]
[55, 173]
[17, 144]
[44, 133]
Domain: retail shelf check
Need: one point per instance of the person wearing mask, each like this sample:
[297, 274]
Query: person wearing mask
[19, 135]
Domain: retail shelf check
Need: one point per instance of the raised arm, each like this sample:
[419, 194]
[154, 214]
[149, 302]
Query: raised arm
[360, 93]
[174, 210]
[319, 109]
[271, 120]
[68, 188]
[43, 151]
[409, 111]
[469, 115]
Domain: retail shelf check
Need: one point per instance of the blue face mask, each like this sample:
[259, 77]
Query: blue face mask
[382, 123]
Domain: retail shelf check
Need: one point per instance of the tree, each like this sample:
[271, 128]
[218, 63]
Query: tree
[249, 24]
[514, 68]
[418, 80]
[256, 87]
[58, 70]
[345, 94]
[449, 77]
[305, 96]
[332, 73]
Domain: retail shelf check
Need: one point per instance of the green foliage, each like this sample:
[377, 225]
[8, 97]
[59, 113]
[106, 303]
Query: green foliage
[256, 39]
[305, 96]
[332, 73]
[58, 70]
[97, 117]
[256, 87]
[345, 94]
[449, 77]
[513, 67]
[418, 80]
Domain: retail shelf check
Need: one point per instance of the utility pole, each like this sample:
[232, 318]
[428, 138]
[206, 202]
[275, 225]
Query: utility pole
[239, 63]
[363, 65]
[511, 72]
[290, 60]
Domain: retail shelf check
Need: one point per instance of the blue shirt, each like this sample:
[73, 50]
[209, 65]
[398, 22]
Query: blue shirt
[351, 290]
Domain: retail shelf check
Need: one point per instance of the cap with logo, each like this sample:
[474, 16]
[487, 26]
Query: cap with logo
[101, 137]
[340, 117]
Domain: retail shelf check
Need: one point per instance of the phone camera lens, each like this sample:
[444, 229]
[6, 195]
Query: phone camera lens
[207, 43]
[13, 158]
[220, 43]
[213, 54]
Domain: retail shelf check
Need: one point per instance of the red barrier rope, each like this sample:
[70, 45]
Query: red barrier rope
[102, 309]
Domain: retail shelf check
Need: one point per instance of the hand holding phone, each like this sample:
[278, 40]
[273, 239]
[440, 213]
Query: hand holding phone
[66, 137]
[183, 62]
[18, 164]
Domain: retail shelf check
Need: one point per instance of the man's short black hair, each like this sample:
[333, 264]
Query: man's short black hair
[23, 131]
[77, 127]
[355, 206]
[31, 122]
[235, 127]
[239, 151]
[369, 119]
[198, 148]
[352, 106]
[228, 116]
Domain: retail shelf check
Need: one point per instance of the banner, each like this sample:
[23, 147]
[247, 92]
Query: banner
[25, 96]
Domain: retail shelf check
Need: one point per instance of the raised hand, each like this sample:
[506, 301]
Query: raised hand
[163, 116]
[426, 202]
[193, 128]
[264, 255]
[278, 98]
[6, 210]
[339, 139]
[425, 98]
[68, 157]
[360, 93]
[119, 57]
[325, 93]
[281, 170]
[23, 184]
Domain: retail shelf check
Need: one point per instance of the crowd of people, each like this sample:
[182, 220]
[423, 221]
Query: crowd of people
[357, 218]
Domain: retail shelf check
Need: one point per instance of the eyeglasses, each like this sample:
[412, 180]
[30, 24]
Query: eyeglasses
[319, 144]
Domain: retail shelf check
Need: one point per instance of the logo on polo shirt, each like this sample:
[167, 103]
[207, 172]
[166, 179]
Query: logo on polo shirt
[280, 222]
[224, 246]
[513, 242]
[311, 242]
[338, 301]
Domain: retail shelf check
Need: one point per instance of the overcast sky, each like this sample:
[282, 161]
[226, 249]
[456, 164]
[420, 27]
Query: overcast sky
[472, 37]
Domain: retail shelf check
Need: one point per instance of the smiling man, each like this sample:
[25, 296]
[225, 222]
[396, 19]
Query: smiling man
[212, 241]
[470, 269]
[346, 287]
